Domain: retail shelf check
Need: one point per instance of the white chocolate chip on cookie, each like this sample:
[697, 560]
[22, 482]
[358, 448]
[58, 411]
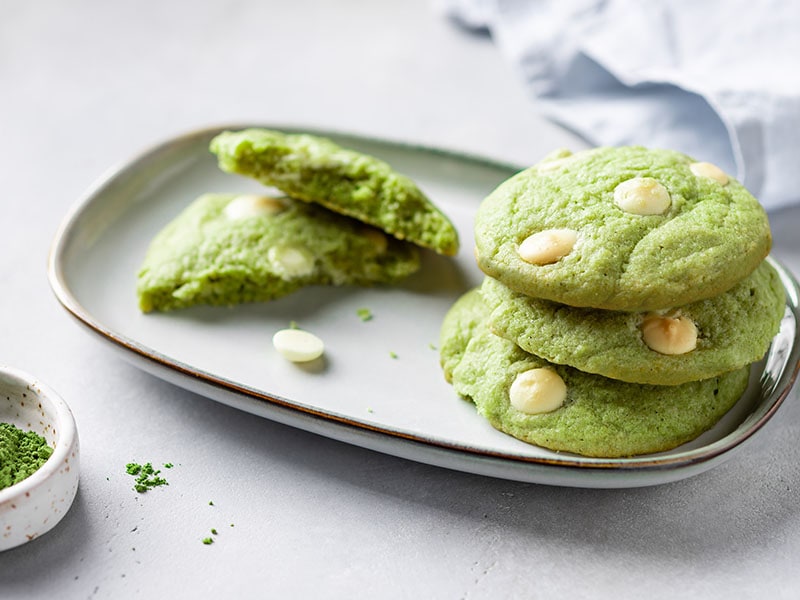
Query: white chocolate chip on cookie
[552, 165]
[297, 345]
[538, 391]
[548, 246]
[291, 262]
[555, 160]
[253, 205]
[642, 196]
[709, 170]
[669, 334]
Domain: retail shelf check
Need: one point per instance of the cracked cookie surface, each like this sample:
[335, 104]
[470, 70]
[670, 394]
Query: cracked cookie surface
[634, 229]
[733, 329]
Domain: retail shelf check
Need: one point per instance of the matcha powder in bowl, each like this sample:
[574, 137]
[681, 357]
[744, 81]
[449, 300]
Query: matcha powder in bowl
[21, 454]
[39, 458]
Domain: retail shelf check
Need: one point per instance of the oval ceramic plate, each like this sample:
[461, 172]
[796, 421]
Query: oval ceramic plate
[380, 385]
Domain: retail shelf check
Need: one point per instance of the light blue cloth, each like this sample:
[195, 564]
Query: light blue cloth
[718, 80]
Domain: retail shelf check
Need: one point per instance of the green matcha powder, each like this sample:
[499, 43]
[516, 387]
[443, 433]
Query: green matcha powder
[146, 476]
[21, 454]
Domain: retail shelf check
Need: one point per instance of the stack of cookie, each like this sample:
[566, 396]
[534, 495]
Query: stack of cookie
[626, 296]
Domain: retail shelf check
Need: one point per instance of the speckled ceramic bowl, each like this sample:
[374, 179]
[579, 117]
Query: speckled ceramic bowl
[35, 505]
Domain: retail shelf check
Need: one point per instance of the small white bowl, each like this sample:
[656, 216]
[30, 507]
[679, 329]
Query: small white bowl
[35, 505]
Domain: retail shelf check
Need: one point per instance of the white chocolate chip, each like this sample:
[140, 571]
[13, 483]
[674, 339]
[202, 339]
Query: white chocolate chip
[297, 345]
[548, 246]
[291, 262]
[669, 334]
[253, 205]
[538, 391]
[709, 170]
[552, 164]
[556, 159]
[642, 196]
[377, 239]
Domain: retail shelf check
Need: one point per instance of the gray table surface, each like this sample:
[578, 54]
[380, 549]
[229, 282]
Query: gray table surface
[86, 84]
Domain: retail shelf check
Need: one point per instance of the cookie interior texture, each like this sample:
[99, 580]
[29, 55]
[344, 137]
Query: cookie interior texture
[710, 237]
[205, 256]
[734, 330]
[315, 169]
[601, 417]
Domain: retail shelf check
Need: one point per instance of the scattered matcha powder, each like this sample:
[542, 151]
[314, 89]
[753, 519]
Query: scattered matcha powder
[21, 454]
[210, 540]
[146, 476]
[364, 314]
[293, 325]
[393, 354]
[432, 346]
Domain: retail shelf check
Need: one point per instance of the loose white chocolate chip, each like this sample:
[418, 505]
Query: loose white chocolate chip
[538, 391]
[642, 196]
[377, 239]
[291, 262]
[548, 246]
[253, 205]
[669, 334]
[297, 345]
[709, 170]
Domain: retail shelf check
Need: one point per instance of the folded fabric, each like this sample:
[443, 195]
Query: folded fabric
[717, 80]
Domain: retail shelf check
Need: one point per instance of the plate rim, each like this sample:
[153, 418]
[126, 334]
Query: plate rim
[215, 386]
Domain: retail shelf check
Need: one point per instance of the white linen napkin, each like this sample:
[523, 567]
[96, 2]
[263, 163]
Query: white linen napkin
[716, 79]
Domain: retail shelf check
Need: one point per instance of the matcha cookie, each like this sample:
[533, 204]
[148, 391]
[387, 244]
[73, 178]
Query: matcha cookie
[315, 169]
[226, 249]
[564, 409]
[628, 229]
[697, 341]
[464, 317]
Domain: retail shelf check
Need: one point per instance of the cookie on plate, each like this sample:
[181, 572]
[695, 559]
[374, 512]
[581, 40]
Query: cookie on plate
[462, 320]
[225, 249]
[315, 169]
[697, 341]
[628, 229]
[561, 408]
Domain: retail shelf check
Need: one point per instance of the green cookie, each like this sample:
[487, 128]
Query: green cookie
[600, 417]
[225, 249]
[705, 235]
[734, 329]
[466, 316]
[315, 169]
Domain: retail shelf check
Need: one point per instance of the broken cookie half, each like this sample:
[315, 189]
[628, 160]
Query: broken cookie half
[315, 169]
[226, 249]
